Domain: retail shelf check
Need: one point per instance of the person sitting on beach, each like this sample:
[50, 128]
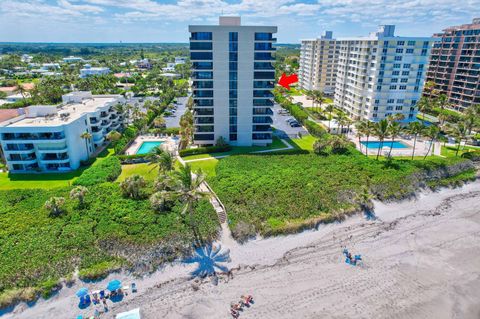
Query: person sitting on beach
[237, 306]
[234, 313]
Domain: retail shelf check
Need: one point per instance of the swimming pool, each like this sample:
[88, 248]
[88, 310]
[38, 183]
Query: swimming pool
[376, 144]
[146, 147]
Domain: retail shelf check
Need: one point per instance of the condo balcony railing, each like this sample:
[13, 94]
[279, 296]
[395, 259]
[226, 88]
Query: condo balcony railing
[33, 136]
[19, 147]
[20, 158]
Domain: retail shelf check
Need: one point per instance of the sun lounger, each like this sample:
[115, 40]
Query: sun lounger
[134, 287]
[102, 294]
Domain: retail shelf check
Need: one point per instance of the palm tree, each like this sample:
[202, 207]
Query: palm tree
[364, 199]
[113, 136]
[87, 137]
[164, 160]
[433, 132]
[329, 109]
[361, 128]
[188, 191]
[394, 130]
[460, 133]
[381, 131]
[318, 98]
[442, 102]
[341, 119]
[132, 186]
[415, 128]
[23, 92]
[54, 205]
[79, 192]
[423, 105]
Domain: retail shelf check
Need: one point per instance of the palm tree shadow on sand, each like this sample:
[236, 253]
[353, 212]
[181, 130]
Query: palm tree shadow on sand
[209, 260]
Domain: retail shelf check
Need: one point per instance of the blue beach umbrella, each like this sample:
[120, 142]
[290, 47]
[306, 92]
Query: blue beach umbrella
[114, 285]
[82, 292]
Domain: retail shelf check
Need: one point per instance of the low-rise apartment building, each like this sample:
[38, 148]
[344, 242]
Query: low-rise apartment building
[89, 71]
[382, 75]
[48, 138]
[318, 64]
[455, 64]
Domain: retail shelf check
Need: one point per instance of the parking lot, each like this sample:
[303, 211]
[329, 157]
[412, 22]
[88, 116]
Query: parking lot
[283, 129]
[174, 119]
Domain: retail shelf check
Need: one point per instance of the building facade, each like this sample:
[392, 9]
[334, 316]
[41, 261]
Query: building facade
[48, 138]
[89, 71]
[233, 78]
[455, 64]
[318, 64]
[381, 75]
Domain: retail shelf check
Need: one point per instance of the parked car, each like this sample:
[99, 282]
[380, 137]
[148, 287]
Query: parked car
[291, 120]
[295, 124]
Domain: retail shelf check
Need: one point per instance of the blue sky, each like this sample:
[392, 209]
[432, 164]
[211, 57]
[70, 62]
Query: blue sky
[167, 21]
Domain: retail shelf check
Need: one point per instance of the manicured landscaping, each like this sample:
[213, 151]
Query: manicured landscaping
[149, 172]
[450, 151]
[46, 180]
[286, 193]
[276, 143]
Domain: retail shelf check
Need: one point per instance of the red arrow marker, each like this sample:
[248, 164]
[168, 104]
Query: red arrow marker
[285, 81]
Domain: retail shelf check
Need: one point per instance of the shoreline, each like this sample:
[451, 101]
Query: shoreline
[253, 257]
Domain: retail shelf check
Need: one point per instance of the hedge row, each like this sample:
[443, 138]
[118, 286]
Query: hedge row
[133, 159]
[314, 128]
[106, 170]
[205, 150]
[295, 110]
[128, 135]
[473, 155]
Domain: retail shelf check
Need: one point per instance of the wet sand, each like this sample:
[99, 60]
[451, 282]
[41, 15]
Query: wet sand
[421, 260]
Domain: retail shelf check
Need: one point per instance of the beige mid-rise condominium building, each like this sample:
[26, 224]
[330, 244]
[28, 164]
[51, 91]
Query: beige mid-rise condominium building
[318, 64]
[381, 75]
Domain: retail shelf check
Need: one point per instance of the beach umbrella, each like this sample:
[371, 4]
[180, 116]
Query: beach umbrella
[114, 285]
[82, 292]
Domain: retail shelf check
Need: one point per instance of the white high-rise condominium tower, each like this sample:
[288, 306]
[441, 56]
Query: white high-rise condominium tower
[318, 63]
[381, 75]
[233, 77]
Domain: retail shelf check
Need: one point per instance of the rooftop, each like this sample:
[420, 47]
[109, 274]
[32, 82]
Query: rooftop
[51, 115]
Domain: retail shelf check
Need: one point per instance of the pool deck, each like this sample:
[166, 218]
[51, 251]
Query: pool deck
[421, 147]
[169, 143]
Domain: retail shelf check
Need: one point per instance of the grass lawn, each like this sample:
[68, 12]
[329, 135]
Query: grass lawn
[304, 143]
[46, 180]
[276, 143]
[207, 166]
[449, 151]
[149, 172]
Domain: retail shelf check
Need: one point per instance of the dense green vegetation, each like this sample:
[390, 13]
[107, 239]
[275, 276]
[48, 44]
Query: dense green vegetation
[284, 193]
[106, 171]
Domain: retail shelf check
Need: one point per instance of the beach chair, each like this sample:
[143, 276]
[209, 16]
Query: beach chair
[134, 287]
[102, 294]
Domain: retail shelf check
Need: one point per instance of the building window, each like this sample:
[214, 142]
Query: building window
[409, 51]
[403, 87]
[411, 42]
[398, 58]
[201, 36]
[393, 87]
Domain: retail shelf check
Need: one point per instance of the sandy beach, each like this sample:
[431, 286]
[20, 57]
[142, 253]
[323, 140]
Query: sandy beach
[421, 260]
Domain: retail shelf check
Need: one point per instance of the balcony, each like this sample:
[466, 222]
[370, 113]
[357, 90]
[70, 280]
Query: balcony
[104, 114]
[33, 136]
[262, 120]
[203, 120]
[203, 112]
[93, 120]
[262, 111]
[263, 102]
[261, 128]
[22, 158]
[19, 147]
[55, 157]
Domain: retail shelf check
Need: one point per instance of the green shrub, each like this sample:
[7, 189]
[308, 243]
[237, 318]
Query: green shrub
[205, 150]
[107, 170]
[473, 155]
[314, 128]
[99, 271]
[295, 110]
[127, 136]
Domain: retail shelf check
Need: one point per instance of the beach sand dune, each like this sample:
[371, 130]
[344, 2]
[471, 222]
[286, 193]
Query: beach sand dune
[421, 260]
